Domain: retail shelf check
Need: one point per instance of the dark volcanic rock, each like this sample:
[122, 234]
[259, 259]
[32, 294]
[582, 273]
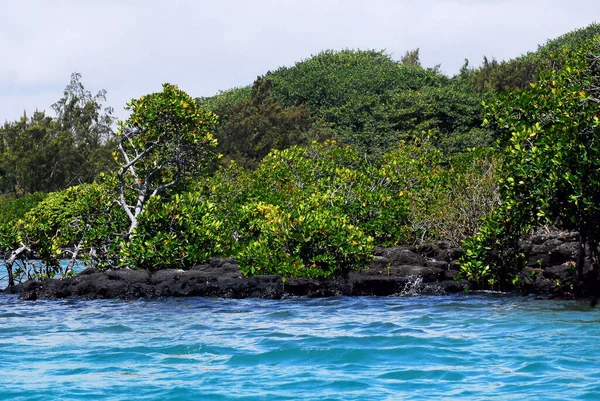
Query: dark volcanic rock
[533, 281]
[112, 284]
[403, 256]
[564, 253]
[402, 270]
[539, 255]
[222, 278]
[564, 273]
[545, 250]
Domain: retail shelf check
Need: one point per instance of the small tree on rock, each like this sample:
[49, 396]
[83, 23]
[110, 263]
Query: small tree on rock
[166, 139]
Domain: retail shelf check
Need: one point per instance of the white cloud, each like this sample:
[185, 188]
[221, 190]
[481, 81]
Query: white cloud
[130, 47]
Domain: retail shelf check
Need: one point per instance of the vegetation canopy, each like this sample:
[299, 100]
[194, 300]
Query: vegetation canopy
[549, 134]
[323, 161]
[166, 138]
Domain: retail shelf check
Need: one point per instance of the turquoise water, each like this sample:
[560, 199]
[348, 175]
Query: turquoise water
[79, 266]
[475, 347]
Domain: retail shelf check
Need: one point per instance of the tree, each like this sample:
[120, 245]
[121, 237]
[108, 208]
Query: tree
[260, 123]
[166, 138]
[518, 73]
[551, 139]
[373, 102]
[41, 153]
[28, 151]
[411, 58]
[88, 125]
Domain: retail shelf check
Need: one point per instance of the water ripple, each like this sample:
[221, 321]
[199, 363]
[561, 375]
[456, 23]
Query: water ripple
[476, 347]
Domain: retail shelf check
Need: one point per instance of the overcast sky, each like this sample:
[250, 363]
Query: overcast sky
[130, 47]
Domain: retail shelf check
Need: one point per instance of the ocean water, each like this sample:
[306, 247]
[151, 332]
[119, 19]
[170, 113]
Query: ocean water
[79, 266]
[459, 347]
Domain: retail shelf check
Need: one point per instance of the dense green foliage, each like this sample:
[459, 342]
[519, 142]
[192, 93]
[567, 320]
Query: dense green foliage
[306, 211]
[449, 195]
[370, 101]
[315, 210]
[260, 123]
[373, 101]
[166, 142]
[518, 73]
[41, 153]
[12, 209]
[322, 162]
[223, 103]
[61, 225]
[176, 234]
[550, 136]
[361, 98]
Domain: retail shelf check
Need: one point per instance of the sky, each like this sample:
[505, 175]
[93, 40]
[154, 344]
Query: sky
[130, 47]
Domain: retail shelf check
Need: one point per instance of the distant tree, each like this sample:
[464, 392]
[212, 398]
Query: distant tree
[518, 73]
[260, 123]
[372, 102]
[29, 155]
[503, 76]
[225, 102]
[88, 124]
[411, 58]
[41, 153]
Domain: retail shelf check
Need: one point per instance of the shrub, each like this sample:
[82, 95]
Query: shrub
[13, 209]
[177, 234]
[303, 242]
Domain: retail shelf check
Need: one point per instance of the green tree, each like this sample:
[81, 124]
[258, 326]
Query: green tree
[551, 173]
[260, 123]
[178, 233]
[223, 103]
[411, 58]
[164, 143]
[41, 153]
[361, 98]
[79, 222]
[518, 73]
[88, 126]
[12, 209]
[373, 102]
[29, 150]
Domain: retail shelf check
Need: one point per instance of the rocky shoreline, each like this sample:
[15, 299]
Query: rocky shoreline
[402, 270]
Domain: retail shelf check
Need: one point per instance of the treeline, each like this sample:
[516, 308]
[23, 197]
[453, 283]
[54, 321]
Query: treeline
[306, 211]
[518, 73]
[320, 162]
[363, 99]
[370, 101]
[39, 153]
